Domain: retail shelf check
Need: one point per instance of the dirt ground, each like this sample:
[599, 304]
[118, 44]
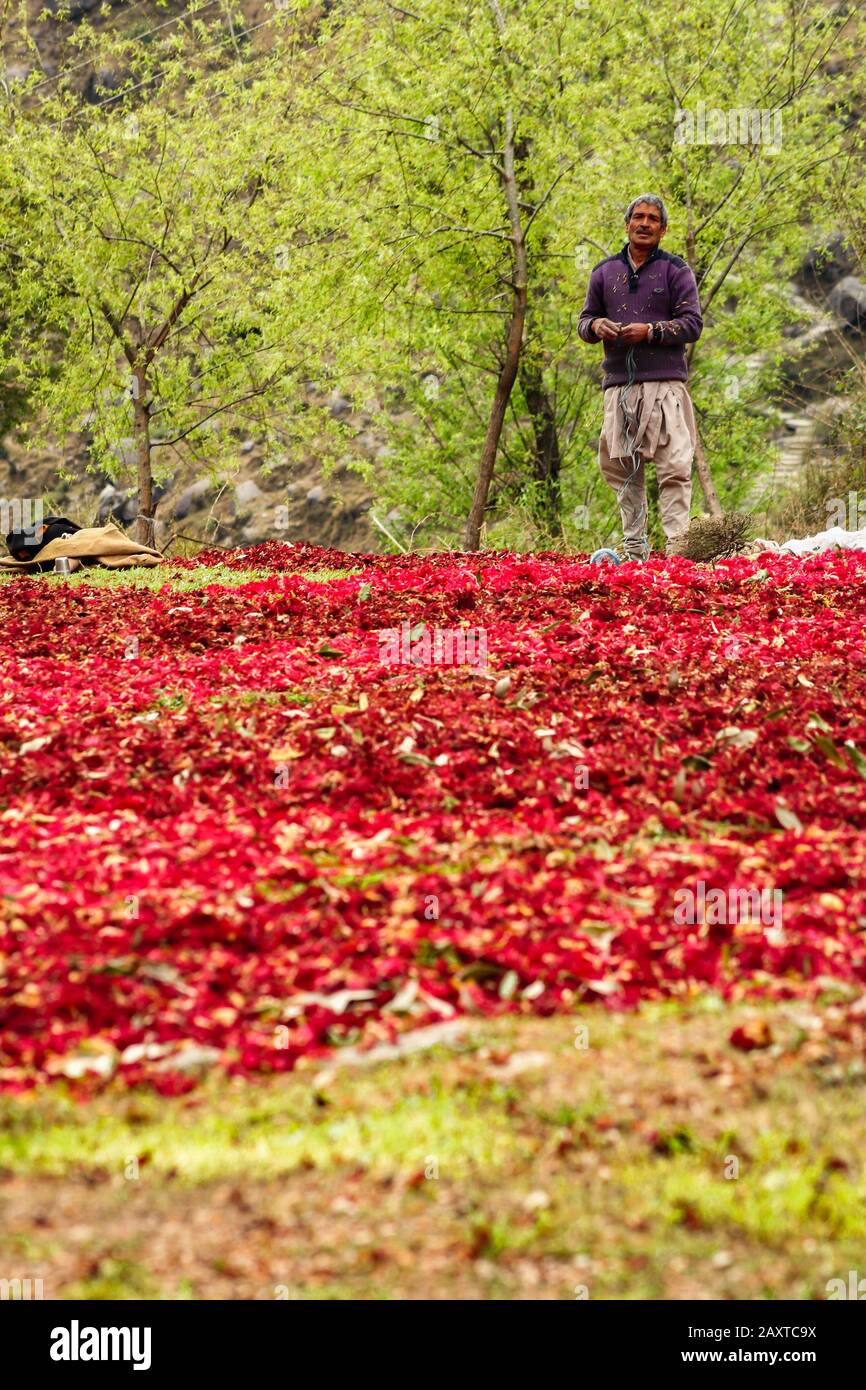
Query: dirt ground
[596, 1157]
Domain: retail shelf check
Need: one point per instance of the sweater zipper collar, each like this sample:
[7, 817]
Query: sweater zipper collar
[632, 273]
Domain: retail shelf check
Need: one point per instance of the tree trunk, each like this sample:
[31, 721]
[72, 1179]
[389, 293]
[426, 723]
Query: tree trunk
[513, 345]
[702, 468]
[546, 457]
[708, 487]
[144, 527]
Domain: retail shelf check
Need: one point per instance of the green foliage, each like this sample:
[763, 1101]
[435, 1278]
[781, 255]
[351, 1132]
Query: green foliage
[418, 133]
[327, 201]
[157, 239]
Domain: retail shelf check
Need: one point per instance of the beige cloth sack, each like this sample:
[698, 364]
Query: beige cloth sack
[105, 544]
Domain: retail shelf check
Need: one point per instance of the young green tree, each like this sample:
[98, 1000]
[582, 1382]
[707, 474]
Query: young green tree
[441, 114]
[166, 240]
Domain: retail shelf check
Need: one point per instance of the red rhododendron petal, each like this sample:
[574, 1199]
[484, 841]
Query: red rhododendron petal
[243, 837]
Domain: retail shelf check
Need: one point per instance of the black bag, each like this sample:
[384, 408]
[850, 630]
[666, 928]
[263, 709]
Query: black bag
[26, 545]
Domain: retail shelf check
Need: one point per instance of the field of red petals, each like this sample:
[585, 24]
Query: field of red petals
[231, 834]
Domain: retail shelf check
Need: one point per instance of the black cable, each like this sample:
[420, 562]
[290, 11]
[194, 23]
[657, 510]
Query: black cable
[631, 423]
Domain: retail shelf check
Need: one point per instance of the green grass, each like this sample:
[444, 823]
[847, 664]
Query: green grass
[259, 1133]
[117, 1280]
[182, 580]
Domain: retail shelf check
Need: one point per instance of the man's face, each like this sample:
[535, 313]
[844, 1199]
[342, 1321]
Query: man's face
[644, 228]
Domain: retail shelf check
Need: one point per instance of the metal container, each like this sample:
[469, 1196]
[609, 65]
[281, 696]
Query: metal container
[62, 565]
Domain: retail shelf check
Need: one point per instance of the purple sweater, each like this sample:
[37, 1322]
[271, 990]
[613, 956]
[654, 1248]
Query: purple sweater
[662, 292]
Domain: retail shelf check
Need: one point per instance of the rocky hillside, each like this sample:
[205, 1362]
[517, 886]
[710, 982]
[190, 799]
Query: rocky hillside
[827, 336]
[289, 502]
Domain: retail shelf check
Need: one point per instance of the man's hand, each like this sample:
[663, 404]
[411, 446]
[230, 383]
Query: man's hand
[606, 329]
[634, 333]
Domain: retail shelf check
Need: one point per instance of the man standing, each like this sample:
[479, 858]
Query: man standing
[643, 305]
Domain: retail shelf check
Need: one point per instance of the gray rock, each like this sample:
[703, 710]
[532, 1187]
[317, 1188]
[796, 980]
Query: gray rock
[106, 80]
[129, 510]
[109, 501]
[248, 446]
[828, 263]
[76, 9]
[190, 498]
[338, 405]
[315, 495]
[248, 491]
[848, 300]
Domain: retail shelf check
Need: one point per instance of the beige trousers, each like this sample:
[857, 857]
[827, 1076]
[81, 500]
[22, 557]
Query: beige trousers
[666, 434]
